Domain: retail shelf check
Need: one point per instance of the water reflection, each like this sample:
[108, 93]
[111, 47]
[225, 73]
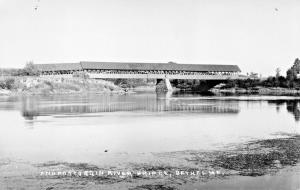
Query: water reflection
[136, 123]
[33, 107]
[292, 106]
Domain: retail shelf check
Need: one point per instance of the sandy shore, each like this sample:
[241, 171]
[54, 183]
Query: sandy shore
[236, 166]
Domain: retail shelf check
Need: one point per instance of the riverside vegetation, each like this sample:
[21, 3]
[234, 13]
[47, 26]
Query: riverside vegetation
[274, 85]
[27, 81]
[46, 86]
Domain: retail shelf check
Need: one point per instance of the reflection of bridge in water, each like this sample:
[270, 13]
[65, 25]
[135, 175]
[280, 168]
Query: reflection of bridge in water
[33, 107]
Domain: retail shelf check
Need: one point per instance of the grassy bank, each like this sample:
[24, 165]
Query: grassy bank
[47, 86]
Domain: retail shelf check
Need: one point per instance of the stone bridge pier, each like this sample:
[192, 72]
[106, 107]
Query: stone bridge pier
[163, 85]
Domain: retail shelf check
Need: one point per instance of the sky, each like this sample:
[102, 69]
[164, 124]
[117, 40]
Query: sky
[257, 35]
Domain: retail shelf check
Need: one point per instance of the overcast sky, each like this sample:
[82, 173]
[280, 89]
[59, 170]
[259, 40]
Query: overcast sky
[257, 35]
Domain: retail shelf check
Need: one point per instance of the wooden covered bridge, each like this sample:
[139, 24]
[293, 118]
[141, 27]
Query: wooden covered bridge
[142, 70]
[125, 70]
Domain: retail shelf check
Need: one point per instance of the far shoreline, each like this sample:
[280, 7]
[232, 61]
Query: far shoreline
[271, 91]
[36, 85]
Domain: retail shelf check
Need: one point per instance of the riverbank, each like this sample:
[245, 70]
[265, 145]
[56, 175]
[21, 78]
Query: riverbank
[49, 86]
[166, 170]
[257, 90]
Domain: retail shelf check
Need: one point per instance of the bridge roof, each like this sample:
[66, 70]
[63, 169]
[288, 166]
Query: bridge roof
[137, 66]
[58, 66]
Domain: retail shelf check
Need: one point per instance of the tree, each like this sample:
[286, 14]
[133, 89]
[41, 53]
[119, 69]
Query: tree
[296, 64]
[291, 75]
[278, 72]
[30, 69]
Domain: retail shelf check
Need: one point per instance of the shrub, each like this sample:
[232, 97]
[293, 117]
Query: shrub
[81, 74]
[7, 83]
[48, 83]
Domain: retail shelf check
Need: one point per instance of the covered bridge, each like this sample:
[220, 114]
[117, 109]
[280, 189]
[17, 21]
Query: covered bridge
[137, 68]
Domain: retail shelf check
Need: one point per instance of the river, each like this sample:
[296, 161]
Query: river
[112, 129]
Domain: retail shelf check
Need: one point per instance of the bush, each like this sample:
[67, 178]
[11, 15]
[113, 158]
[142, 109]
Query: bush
[7, 83]
[2, 85]
[48, 83]
[81, 74]
[230, 84]
[67, 86]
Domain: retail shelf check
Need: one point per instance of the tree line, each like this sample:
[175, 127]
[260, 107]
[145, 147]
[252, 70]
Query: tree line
[29, 70]
[291, 80]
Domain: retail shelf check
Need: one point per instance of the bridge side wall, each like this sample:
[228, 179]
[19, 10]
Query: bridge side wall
[163, 76]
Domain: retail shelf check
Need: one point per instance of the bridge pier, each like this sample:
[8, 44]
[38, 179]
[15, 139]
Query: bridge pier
[163, 85]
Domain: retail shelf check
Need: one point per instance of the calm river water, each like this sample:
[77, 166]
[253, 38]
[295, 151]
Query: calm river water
[80, 128]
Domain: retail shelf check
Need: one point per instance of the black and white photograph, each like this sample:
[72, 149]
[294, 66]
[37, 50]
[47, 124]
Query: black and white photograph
[150, 94]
